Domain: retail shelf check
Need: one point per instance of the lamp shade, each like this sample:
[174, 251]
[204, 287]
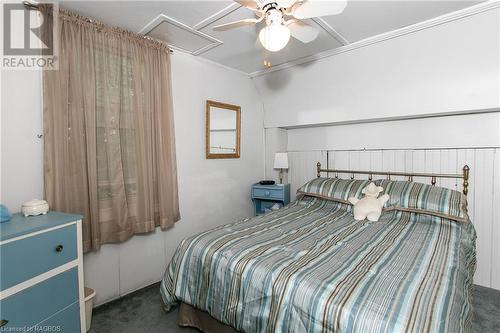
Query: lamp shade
[281, 161]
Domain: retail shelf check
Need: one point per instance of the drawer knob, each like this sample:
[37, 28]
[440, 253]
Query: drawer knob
[59, 248]
[3, 322]
[268, 193]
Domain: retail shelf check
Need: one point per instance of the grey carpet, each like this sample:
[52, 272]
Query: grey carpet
[141, 312]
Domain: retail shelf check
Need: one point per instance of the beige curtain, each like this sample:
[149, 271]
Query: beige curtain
[109, 150]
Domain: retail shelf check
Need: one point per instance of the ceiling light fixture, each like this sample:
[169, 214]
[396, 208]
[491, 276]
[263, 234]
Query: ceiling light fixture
[275, 35]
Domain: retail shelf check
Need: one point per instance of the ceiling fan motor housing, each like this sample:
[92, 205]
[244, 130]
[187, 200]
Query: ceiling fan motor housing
[274, 16]
[266, 3]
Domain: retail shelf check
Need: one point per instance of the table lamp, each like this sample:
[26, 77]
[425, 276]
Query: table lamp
[281, 162]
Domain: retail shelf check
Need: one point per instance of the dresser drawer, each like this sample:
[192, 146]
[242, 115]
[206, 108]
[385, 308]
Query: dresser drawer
[65, 321]
[31, 256]
[39, 302]
[267, 193]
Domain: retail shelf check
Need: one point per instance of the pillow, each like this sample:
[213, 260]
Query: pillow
[423, 198]
[333, 189]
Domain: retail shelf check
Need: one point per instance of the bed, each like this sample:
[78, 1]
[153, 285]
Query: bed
[310, 267]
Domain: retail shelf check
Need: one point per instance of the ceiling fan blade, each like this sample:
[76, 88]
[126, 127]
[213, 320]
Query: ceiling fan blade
[237, 24]
[248, 4]
[302, 31]
[285, 3]
[316, 8]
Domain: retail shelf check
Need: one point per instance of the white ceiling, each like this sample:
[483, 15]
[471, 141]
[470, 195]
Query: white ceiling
[239, 48]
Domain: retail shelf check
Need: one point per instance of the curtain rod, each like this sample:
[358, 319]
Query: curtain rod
[32, 5]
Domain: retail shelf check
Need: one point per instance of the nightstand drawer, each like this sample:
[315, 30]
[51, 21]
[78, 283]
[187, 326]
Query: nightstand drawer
[26, 258]
[265, 193]
[266, 196]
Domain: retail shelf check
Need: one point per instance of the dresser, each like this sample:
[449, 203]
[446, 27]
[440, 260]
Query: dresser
[265, 196]
[41, 276]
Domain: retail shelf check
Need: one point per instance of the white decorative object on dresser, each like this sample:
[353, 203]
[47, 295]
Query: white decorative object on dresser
[35, 207]
[41, 278]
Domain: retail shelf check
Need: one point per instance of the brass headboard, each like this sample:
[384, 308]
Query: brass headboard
[464, 175]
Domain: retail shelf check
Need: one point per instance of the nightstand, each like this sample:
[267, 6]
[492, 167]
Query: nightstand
[265, 196]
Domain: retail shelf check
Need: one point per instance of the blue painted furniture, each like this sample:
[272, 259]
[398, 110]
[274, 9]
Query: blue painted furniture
[41, 274]
[265, 196]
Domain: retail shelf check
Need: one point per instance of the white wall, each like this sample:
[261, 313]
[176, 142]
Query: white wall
[452, 67]
[21, 175]
[276, 141]
[211, 192]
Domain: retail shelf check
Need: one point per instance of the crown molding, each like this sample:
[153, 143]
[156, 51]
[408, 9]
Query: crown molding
[446, 18]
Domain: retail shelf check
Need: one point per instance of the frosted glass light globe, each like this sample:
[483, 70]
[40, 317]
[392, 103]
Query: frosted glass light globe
[274, 37]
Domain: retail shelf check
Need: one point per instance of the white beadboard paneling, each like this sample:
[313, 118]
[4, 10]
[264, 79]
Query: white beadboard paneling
[376, 158]
[399, 162]
[433, 162]
[495, 235]
[302, 168]
[354, 161]
[388, 160]
[484, 189]
[483, 213]
[418, 165]
[449, 165]
[338, 160]
[365, 160]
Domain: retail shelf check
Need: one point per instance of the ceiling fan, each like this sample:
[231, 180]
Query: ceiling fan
[283, 19]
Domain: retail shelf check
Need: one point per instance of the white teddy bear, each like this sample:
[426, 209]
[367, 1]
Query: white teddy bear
[369, 207]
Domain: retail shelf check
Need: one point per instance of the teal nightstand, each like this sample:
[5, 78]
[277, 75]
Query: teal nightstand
[264, 196]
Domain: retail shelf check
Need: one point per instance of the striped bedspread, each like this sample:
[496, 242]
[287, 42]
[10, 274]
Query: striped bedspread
[310, 267]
